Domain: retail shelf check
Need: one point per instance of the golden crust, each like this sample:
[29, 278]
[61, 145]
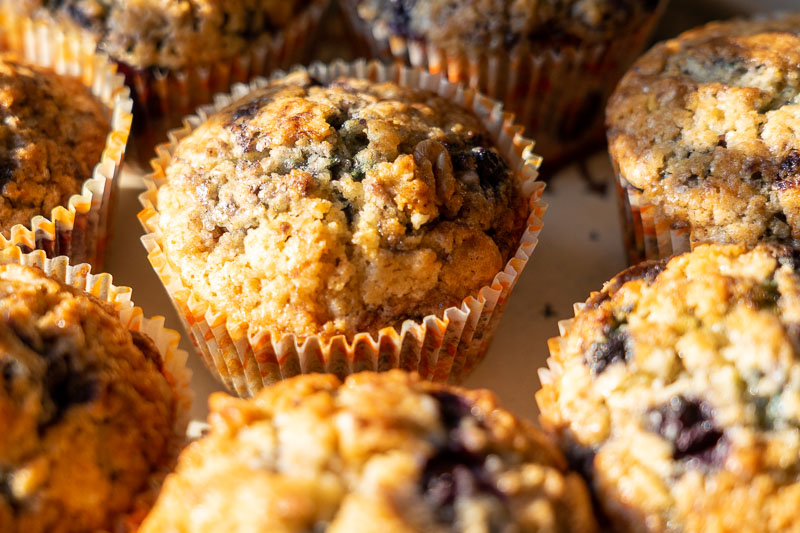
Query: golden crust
[678, 389]
[323, 210]
[52, 134]
[85, 411]
[370, 454]
[705, 125]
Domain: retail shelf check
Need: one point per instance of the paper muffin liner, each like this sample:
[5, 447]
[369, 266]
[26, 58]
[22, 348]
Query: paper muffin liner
[80, 230]
[246, 359]
[162, 97]
[174, 359]
[557, 92]
[647, 231]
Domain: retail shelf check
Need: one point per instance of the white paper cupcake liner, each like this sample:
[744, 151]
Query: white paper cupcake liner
[174, 359]
[647, 231]
[443, 348]
[81, 229]
[557, 92]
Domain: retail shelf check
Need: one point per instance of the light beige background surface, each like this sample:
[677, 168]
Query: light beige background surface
[579, 249]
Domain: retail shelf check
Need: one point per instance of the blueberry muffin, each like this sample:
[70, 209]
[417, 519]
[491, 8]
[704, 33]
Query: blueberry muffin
[52, 134]
[504, 24]
[702, 128]
[553, 63]
[380, 452]
[329, 209]
[85, 410]
[676, 391]
[169, 34]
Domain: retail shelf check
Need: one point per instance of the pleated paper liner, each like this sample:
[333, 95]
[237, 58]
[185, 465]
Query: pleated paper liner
[166, 341]
[557, 92]
[81, 229]
[164, 96]
[554, 369]
[443, 348]
[647, 231]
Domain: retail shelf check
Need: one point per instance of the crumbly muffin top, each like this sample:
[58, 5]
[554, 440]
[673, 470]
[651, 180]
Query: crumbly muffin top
[85, 411]
[379, 452]
[172, 33]
[677, 391]
[499, 24]
[332, 209]
[52, 134]
[705, 124]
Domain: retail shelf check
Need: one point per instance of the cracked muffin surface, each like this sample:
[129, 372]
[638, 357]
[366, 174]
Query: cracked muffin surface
[52, 134]
[85, 410]
[676, 391]
[325, 210]
[705, 126]
[382, 452]
[171, 33]
[499, 24]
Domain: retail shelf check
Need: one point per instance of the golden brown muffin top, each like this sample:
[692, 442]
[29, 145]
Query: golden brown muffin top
[85, 411]
[332, 209]
[677, 387]
[52, 134]
[705, 124]
[502, 24]
[172, 33]
[379, 452]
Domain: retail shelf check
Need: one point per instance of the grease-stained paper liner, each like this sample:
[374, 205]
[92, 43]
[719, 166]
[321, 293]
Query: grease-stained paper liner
[166, 341]
[81, 229]
[164, 96]
[647, 231]
[442, 349]
[558, 92]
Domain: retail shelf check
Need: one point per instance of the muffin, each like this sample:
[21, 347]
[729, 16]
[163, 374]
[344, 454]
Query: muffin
[66, 120]
[177, 55]
[87, 405]
[552, 63]
[311, 211]
[388, 452]
[170, 35]
[53, 134]
[701, 134]
[675, 390]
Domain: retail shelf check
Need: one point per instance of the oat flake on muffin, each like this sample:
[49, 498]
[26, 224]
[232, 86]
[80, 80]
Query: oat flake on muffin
[676, 389]
[705, 125]
[380, 452]
[332, 209]
[85, 410]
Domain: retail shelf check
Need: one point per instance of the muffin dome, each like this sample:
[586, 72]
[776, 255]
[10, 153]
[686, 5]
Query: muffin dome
[705, 126]
[169, 34]
[331, 209]
[85, 411]
[677, 390]
[52, 134]
[379, 452]
[498, 24]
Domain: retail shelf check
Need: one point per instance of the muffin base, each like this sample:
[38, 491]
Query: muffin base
[246, 359]
[647, 231]
[166, 341]
[557, 92]
[80, 230]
